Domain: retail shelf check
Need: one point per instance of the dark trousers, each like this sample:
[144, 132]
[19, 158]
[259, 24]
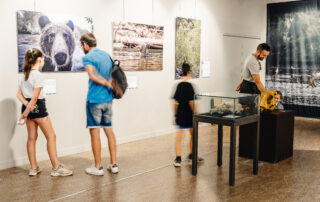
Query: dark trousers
[249, 87]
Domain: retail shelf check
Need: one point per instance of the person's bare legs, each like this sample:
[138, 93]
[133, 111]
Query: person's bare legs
[47, 129]
[96, 146]
[112, 144]
[191, 135]
[32, 128]
[190, 145]
[178, 142]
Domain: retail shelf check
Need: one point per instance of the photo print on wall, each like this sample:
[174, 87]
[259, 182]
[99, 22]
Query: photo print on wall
[188, 40]
[293, 66]
[56, 36]
[138, 46]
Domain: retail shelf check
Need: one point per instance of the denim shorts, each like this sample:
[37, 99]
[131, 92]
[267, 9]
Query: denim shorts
[99, 115]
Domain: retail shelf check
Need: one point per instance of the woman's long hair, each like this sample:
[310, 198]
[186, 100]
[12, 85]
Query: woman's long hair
[30, 59]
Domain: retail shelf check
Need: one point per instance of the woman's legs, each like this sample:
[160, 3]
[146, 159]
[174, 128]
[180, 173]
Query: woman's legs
[47, 129]
[178, 142]
[32, 128]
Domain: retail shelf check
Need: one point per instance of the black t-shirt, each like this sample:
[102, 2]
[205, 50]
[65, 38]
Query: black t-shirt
[184, 93]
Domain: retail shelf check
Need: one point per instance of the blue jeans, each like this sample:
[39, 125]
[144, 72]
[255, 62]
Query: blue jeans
[99, 115]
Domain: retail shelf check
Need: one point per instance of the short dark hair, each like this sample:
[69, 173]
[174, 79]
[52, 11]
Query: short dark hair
[278, 92]
[185, 68]
[263, 46]
[89, 39]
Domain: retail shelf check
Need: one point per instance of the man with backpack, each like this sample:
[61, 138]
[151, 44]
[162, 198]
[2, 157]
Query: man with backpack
[99, 65]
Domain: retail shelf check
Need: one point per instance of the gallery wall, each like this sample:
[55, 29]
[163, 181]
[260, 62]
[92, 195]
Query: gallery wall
[143, 112]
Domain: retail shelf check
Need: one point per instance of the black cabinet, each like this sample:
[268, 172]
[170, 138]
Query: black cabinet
[276, 136]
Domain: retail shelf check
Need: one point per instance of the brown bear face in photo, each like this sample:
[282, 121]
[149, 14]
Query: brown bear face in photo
[57, 43]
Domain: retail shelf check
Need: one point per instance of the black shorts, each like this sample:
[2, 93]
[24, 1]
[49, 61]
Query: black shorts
[39, 112]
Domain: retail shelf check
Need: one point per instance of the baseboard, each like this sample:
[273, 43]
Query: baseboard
[43, 156]
[84, 148]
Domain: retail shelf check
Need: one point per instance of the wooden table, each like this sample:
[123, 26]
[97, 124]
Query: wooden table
[233, 123]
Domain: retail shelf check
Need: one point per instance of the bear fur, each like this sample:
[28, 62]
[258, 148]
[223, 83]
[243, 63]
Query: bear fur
[57, 42]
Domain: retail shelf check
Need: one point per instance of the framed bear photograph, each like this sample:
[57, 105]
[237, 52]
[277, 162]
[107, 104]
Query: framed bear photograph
[57, 36]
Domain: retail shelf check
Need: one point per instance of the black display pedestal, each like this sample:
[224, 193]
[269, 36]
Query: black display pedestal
[276, 136]
[233, 123]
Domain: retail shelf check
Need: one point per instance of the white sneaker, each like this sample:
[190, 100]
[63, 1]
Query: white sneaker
[61, 171]
[95, 171]
[177, 163]
[113, 168]
[34, 171]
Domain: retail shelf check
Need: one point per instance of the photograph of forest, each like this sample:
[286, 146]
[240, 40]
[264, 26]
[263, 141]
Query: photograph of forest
[188, 40]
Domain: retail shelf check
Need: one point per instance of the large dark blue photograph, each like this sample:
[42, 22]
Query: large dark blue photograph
[293, 66]
[56, 36]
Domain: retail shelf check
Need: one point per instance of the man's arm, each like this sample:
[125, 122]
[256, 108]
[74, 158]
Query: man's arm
[238, 87]
[96, 77]
[256, 78]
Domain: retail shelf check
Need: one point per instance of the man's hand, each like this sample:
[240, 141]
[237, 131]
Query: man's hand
[108, 83]
[238, 87]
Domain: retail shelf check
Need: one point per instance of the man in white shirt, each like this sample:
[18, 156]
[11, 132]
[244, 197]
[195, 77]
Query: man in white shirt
[251, 82]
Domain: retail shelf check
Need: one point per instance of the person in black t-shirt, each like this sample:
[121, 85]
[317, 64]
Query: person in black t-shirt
[184, 109]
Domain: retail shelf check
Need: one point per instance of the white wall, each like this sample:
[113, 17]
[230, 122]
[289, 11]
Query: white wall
[143, 112]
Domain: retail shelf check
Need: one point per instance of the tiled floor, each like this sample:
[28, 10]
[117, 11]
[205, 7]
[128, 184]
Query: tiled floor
[147, 174]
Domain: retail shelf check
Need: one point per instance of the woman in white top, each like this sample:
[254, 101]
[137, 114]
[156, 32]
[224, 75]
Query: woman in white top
[34, 113]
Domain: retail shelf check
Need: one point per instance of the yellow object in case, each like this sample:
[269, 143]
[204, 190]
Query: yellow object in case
[267, 102]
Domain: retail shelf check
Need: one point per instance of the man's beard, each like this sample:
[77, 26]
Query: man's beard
[259, 58]
[85, 52]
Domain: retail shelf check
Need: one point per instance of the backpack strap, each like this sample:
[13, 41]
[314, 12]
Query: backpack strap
[115, 63]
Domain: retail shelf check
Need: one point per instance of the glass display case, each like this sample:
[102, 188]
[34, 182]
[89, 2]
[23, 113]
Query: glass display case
[227, 105]
[227, 109]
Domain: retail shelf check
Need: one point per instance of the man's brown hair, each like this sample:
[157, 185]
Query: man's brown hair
[263, 46]
[89, 39]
